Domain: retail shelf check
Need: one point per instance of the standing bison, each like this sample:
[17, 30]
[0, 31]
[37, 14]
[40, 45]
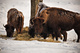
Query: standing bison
[15, 19]
[55, 20]
[41, 6]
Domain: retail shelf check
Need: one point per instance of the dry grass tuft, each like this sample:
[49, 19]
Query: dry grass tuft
[4, 37]
[24, 36]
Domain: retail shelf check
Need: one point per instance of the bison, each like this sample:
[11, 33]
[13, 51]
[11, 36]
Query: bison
[57, 20]
[45, 31]
[31, 28]
[15, 19]
[41, 6]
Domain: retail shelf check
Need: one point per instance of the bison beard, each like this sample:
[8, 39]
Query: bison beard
[15, 19]
[58, 20]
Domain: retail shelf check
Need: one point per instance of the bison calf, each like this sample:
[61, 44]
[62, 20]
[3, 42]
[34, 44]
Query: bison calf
[15, 19]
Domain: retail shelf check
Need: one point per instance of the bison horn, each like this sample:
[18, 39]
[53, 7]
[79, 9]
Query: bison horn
[31, 21]
[3, 25]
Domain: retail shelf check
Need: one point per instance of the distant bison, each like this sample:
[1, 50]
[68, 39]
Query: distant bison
[15, 19]
[57, 19]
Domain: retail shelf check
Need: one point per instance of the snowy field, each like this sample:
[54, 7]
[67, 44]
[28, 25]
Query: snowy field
[13, 46]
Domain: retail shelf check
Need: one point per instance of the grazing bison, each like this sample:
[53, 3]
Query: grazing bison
[39, 7]
[57, 20]
[45, 31]
[31, 28]
[15, 19]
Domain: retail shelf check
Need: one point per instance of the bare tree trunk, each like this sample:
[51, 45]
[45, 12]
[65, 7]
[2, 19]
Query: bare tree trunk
[33, 7]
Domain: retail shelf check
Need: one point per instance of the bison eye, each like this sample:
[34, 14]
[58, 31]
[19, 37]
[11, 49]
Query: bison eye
[47, 12]
[43, 24]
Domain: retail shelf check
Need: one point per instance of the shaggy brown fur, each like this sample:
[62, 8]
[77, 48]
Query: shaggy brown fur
[58, 18]
[39, 8]
[43, 31]
[15, 19]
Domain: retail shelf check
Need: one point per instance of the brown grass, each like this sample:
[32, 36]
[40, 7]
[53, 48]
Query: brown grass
[4, 37]
[25, 36]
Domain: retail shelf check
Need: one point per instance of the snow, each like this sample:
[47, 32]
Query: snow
[13, 46]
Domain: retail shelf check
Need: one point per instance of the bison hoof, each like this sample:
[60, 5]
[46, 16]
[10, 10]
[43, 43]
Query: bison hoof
[64, 40]
[44, 37]
[61, 38]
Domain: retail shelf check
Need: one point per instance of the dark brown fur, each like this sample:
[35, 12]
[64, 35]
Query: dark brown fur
[39, 8]
[15, 19]
[57, 18]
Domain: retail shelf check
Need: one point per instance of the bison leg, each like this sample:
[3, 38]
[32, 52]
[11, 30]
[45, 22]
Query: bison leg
[65, 35]
[60, 37]
[31, 32]
[53, 35]
[20, 29]
[78, 33]
[57, 34]
[17, 30]
[44, 35]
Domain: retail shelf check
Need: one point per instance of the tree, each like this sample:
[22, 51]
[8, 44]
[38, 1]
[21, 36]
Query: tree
[33, 7]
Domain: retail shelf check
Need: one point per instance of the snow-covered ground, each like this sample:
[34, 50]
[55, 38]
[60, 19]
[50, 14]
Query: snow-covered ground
[13, 46]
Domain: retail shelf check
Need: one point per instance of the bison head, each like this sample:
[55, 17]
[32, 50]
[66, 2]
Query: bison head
[38, 25]
[9, 29]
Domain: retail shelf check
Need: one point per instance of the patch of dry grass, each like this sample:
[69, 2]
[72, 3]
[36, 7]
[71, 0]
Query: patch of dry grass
[25, 36]
[4, 37]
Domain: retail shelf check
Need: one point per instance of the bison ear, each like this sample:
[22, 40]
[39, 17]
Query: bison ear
[34, 20]
[31, 20]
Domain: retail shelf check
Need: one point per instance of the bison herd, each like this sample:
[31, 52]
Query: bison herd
[48, 20]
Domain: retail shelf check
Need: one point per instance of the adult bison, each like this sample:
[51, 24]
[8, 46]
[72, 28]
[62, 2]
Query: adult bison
[44, 31]
[41, 6]
[15, 19]
[56, 20]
